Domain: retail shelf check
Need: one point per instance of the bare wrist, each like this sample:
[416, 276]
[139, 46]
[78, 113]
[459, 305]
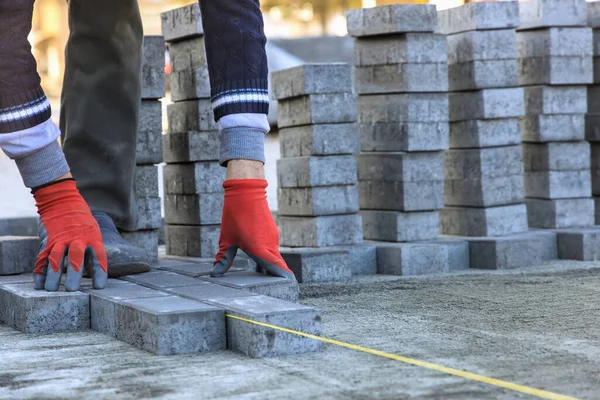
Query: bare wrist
[245, 169]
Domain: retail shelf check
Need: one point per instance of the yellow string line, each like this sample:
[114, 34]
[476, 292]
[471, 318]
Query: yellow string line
[463, 374]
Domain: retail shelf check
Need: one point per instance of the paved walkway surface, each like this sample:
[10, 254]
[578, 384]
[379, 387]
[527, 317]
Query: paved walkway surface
[538, 327]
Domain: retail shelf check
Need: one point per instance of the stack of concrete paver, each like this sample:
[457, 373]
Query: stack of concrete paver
[484, 183]
[401, 77]
[555, 49]
[592, 128]
[318, 193]
[193, 192]
[143, 229]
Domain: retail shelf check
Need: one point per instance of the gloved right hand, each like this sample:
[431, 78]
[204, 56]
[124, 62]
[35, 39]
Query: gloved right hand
[74, 241]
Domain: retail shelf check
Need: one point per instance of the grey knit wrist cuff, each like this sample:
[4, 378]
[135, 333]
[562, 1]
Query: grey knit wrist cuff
[242, 143]
[45, 165]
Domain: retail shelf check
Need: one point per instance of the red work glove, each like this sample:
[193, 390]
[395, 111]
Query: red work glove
[248, 224]
[73, 239]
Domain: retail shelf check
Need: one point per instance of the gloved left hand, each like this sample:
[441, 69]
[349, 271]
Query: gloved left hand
[74, 241]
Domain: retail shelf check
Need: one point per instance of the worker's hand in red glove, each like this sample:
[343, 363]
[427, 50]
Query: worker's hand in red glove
[73, 243]
[248, 224]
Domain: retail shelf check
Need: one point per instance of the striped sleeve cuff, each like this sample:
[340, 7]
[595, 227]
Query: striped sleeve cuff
[242, 97]
[23, 111]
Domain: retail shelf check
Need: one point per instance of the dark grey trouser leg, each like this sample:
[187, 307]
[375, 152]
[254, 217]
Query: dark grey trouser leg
[100, 101]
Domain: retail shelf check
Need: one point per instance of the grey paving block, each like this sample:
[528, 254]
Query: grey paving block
[404, 107]
[404, 136]
[196, 268]
[597, 210]
[412, 259]
[485, 191]
[188, 55]
[401, 78]
[170, 325]
[556, 156]
[146, 239]
[515, 251]
[192, 241]
[18, 253]
[19, 226]
[561, 213]
[328, 108]
[147, 215]
[458, 251]
[103, 303]
[401, 196]
[490, 221]
[193, 209]
[316, 171]
[596, 50]
[153, 67]
[482, 45]
[396, 18]
[182, 23]
[558, 184]
[556, 41]
[257, 341]
[190, 146]
[593, 99]
[261, 284]
[400, 48]
[21, 278]
[486, 104]
[362, 258]
[315, 201]
[38, 311]
[487, 74]
[162, 280]
[319, 140]
[193, 178]
[208, 291]
[395, 226]
[492, 162]
[149, 134]
[579, 244]
[484, 133]
[146, 181]
[551, 128]
[190, 84]
[309, 79]
[479, 16]
[543, 13]
[555, 70]
[331, 230]
[595, 181]
[318, 265]
[401, 167]
[555, 100]
[191, 115]
[593, 14]
[592, 128]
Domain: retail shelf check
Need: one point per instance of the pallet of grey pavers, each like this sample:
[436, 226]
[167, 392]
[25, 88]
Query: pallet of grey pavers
[20, 226]
[37, 311]
[323, 231]
[513, 251]
[318, 265]
[555, 56]
[310, 79]
[149, 134]
[196, 267]
[581, 244]
[479, 133]
[316, 171]
[398, 226]
[484, 177]
[319, 140]
[192, 240]
[560, 213]
[412, 258]
[401, 181]
[479, 16]
[557, 170]
[190, 146]
[401, 78]
[392, 19]
[482, 59]
[153, 68]
[257, 341]
[257, 283]
[18, 254]
[156, 322]
[536, 14]
[182, 23]
[193, 209]
[191, 115]
[329, 108]
[193, 178]
[486, 104]
[145, 239]
[489, 221]
[316, 201]
[457, 248]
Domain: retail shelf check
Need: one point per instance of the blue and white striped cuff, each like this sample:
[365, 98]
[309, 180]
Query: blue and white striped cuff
[250, 97]
[23, 111]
